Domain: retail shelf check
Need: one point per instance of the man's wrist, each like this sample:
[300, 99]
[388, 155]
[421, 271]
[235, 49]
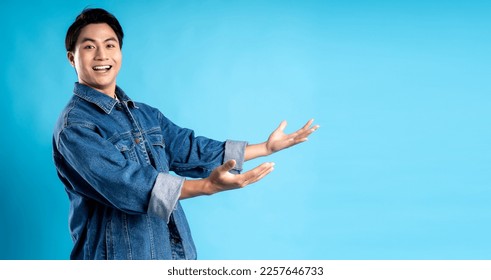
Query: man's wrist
[267, 150]
[257, 150]
[207, 188]
[193, 188]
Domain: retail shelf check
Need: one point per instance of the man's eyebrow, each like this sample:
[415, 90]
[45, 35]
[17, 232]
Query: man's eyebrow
[111, 39]
[86, 39]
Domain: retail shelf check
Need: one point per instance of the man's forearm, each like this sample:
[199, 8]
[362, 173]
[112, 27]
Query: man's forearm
[193, 188]
[256, 150]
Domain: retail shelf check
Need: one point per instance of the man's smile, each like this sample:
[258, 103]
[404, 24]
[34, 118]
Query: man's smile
[102, 67]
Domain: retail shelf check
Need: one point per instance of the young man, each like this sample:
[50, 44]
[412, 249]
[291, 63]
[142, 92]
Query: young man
[114, 156]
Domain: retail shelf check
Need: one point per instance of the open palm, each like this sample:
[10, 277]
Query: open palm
[279, 140]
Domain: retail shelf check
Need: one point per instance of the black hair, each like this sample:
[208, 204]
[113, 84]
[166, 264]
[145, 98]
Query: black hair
[88, 16]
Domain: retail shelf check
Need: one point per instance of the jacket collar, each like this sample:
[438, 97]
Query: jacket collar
[100, 99]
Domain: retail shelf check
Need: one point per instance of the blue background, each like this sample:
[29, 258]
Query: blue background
[400, 168]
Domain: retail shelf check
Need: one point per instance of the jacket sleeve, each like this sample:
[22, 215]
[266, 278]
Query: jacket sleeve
[95, 168]
[196, 156]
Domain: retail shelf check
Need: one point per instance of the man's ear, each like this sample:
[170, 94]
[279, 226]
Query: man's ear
[71, 58]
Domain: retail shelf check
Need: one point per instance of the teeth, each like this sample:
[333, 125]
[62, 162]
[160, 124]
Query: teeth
[102, 67]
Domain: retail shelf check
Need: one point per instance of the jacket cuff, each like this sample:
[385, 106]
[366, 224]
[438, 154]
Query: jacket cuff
[235, 150]
[165, 195]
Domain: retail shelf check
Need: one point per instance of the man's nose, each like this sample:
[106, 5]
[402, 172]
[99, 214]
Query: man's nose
[101, 54]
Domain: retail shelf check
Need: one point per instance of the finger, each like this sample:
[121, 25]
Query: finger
[310, 131]
[282, 126]
[307, 131]
[259, 175]
[298, 141]
[308, 124]
[302, 137]
[256, 171]
[227, 166]
[302, 130]
[253, 174]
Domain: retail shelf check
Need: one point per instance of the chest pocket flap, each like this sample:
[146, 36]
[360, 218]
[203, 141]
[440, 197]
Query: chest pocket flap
[126, 146]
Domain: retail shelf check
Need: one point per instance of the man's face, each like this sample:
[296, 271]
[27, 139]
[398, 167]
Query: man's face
[97, 57]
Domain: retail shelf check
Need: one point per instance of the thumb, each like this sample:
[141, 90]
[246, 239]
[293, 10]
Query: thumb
[227, 165]
[282, 125]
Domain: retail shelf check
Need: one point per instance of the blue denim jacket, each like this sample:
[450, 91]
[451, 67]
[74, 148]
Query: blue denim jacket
[114, 158]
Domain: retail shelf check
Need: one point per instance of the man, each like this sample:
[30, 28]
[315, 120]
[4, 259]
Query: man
[114, 156]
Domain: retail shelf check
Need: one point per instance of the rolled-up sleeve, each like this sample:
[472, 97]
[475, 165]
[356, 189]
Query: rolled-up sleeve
[167, 188]
[165, 194]
[235, 150]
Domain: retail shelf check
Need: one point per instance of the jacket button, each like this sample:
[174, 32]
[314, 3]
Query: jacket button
[137, 140]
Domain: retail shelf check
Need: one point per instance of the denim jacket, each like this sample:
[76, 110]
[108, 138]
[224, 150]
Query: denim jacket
[114, 158]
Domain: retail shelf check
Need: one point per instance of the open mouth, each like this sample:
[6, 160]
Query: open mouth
[102, 67]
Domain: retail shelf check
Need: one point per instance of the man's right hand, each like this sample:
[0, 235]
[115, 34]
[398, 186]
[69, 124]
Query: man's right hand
[221, 180]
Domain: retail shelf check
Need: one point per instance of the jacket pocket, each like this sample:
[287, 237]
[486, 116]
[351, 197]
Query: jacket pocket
[157, 146]
[126, 146]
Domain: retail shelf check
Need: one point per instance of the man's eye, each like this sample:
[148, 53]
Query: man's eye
[111, 46]
[89, 47]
